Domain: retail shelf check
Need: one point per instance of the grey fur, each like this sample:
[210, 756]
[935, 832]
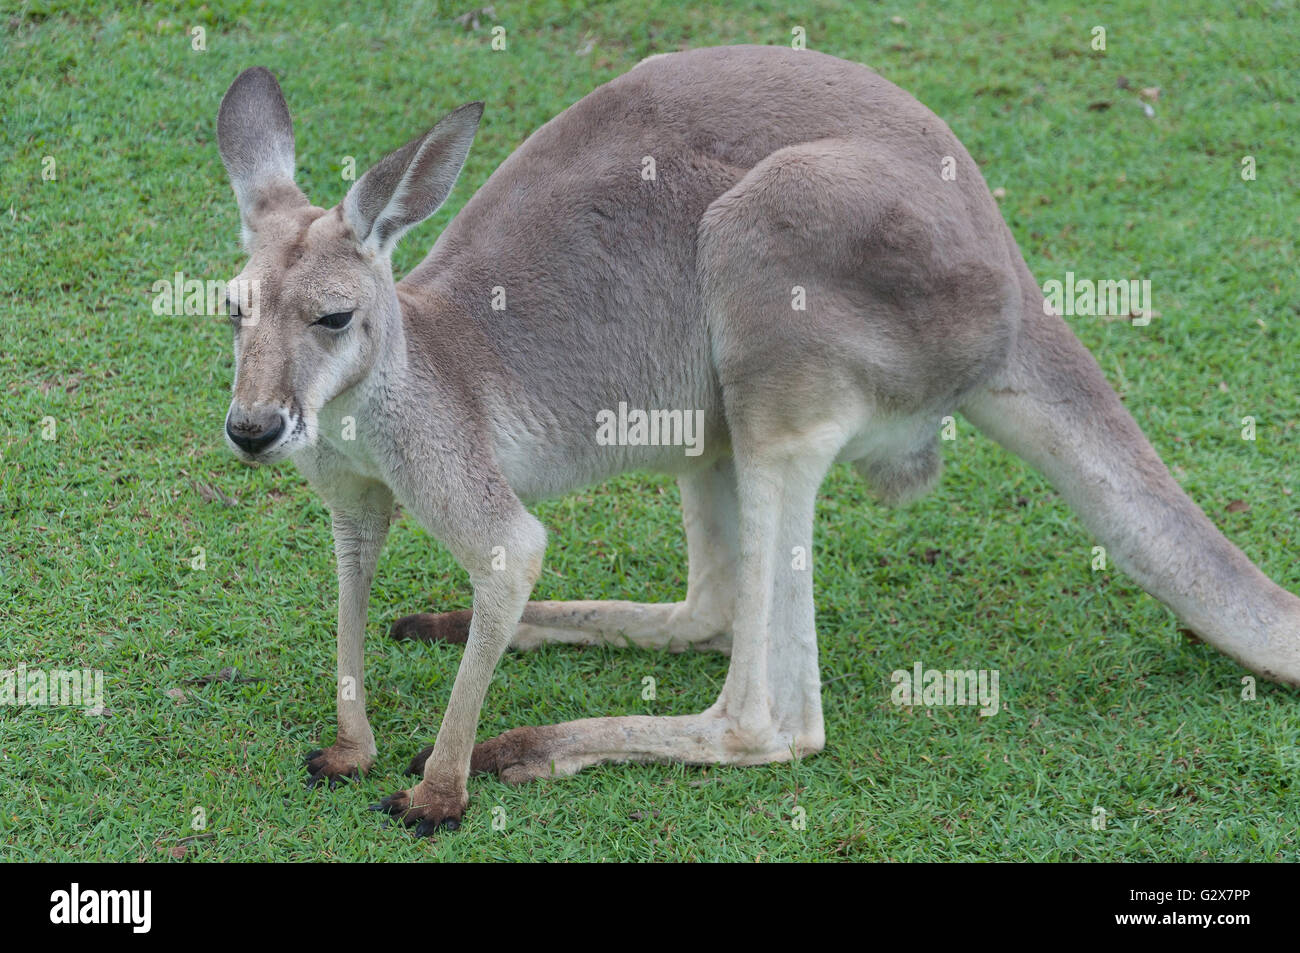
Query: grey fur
[773, 169]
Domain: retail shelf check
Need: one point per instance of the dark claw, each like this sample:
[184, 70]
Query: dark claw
[394, 804]
[319, 774]
[428, 828]
[398, 805]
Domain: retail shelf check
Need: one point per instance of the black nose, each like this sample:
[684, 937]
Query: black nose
[256, 431]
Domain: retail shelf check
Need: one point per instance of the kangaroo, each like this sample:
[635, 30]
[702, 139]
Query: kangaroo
[761, 237]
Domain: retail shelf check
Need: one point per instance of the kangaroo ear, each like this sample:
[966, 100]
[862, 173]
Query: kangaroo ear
[255, 137]
[407, 186]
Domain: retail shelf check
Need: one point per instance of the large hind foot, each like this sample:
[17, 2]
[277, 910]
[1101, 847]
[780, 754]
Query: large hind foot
[425, 809]
[450, 627]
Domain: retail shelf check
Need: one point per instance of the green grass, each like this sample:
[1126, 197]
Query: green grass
[1107, 704]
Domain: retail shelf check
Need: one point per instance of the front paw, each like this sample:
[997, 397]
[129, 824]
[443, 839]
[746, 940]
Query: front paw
[336, 764]
[425, 809]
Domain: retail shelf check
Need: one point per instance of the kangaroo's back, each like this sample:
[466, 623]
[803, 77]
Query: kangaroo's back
[586, 238]
[626, 173]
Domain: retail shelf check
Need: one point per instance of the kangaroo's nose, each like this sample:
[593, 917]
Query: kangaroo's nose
[254, 432]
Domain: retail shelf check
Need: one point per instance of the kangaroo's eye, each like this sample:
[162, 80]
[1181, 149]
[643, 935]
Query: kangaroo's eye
[336, 322]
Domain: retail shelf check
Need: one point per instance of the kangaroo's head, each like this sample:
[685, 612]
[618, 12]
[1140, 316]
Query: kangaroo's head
[316, 303]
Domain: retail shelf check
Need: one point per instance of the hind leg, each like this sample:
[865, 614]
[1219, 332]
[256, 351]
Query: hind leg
[770, 705]
[792, 402]
[835, 304]
[702, 621]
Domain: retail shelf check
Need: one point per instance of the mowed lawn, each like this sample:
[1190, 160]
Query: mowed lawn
[1107, 706]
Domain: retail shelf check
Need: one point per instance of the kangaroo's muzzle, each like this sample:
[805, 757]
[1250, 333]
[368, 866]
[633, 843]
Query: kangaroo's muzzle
[257, 430]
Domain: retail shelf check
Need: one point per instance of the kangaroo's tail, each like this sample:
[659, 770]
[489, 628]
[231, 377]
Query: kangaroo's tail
[1052, 406]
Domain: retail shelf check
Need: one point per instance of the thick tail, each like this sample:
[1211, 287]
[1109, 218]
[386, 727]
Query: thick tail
[1052, 406]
